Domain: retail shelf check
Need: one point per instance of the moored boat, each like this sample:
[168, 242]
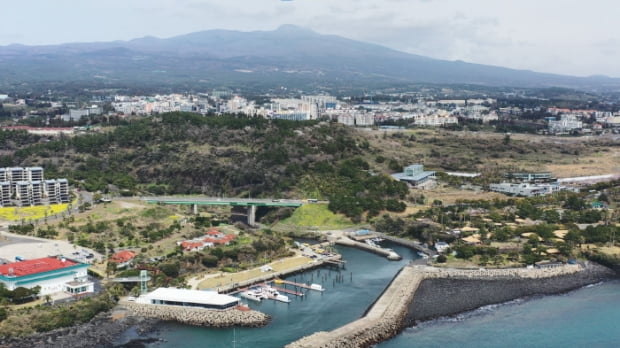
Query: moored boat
[317, 287]
[275, 295]
[253, 294]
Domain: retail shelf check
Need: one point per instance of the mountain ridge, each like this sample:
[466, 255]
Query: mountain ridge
[287, 53]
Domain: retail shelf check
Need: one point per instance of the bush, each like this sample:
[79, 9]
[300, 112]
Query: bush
[442, 259]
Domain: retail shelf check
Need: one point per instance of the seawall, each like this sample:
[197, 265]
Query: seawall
[390, 254]
[421, 292]
[450, 293]
[199, 316]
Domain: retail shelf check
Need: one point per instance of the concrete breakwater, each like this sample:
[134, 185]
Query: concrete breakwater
[199, 316]
[446, 293]
[422, 292]
[390, 254]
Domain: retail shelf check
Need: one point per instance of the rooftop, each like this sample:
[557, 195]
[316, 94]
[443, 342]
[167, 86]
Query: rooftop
[193, 296]
[122, 256]
[34, 266]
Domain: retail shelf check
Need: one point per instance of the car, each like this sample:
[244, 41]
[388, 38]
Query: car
[275, 200]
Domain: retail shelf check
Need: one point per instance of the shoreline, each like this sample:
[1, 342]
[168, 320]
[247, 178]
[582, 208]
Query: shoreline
[426, 293]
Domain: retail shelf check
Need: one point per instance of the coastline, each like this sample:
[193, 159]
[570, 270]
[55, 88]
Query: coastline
[418, 301]
[103, 330]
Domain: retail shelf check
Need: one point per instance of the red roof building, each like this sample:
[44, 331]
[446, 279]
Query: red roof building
[122, 256]
[51, 274]
[29, 267]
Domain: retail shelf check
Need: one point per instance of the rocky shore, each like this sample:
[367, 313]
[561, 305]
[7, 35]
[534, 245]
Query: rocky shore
[199, 316]
[420, 293]
[103, 330]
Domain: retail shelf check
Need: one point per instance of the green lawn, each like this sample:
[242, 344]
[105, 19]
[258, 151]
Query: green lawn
[318, 216]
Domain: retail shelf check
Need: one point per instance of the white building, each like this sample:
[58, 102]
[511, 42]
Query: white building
[526, 190]
[566, 124]
[189, 298]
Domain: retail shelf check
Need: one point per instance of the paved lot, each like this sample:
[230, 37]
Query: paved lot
[12, 245]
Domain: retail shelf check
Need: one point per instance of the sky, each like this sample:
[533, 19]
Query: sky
[571, 37]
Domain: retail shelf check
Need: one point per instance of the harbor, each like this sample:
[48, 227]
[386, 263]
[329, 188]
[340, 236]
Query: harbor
[348, 293]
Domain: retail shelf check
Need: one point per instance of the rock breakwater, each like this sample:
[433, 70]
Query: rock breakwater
[199, 316]
[449, 292]
[422, 292]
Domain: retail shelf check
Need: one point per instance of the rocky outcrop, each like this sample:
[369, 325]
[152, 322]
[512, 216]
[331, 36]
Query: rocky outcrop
[199, 316]
[101, 331]
[422, 292]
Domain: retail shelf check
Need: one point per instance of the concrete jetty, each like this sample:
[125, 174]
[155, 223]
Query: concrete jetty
[407, 242]
[390, 254]
[398, 305]
[199, 316]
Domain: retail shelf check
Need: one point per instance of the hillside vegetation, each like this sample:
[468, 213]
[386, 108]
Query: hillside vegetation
[184, 153]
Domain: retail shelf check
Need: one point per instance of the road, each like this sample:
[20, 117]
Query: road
[201, 200]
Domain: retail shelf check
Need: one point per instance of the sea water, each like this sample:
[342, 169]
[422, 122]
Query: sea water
[349, 292]
[587, 317]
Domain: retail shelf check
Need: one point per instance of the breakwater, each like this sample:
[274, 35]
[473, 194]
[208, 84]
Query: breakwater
[391, 255]
[199, 316]
[412, 296]
[449, 292]
[406, 242]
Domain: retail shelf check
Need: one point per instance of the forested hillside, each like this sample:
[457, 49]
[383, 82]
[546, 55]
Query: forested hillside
[182, 153]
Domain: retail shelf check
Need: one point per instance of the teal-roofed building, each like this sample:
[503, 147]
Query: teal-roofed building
[52, 274]
[414, 175]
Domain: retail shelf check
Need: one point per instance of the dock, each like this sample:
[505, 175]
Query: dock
[288, 291]
[236, 287]
[299, 285]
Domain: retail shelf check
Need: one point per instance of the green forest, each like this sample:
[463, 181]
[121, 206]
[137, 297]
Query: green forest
[185, 153]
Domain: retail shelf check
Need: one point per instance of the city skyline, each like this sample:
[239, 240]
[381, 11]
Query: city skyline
[565, 37]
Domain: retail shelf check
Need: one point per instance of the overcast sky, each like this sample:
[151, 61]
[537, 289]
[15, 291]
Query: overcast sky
[575, 37]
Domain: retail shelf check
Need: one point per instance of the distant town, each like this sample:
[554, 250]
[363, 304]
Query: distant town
[381, 109]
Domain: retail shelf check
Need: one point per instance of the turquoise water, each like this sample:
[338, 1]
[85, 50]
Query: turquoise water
[349, 293]
[588, 317]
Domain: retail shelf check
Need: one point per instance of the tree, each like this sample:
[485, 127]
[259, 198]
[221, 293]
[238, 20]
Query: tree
[111, 268]
[506, 140]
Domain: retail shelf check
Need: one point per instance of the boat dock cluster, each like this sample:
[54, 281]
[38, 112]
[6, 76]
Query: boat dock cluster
[273, 292]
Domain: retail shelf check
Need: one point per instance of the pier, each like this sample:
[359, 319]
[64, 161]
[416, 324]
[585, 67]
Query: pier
[234, 287]
[390, 254]
[406, 242]
[299, 285]
[288, 291]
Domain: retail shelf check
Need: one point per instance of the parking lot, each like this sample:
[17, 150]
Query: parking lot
[12, 246]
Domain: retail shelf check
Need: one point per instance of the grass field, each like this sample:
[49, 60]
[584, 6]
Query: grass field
[317, 216]
[31, 213]
[485, 152]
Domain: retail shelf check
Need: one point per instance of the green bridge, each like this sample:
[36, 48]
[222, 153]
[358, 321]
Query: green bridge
[251, 203]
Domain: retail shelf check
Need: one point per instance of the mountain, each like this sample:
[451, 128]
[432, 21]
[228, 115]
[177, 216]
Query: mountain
[287, 55]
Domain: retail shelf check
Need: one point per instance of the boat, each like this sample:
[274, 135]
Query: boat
[317, 287]
[371, 243]
[275, 295]
[253, 294]
[278, 281]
